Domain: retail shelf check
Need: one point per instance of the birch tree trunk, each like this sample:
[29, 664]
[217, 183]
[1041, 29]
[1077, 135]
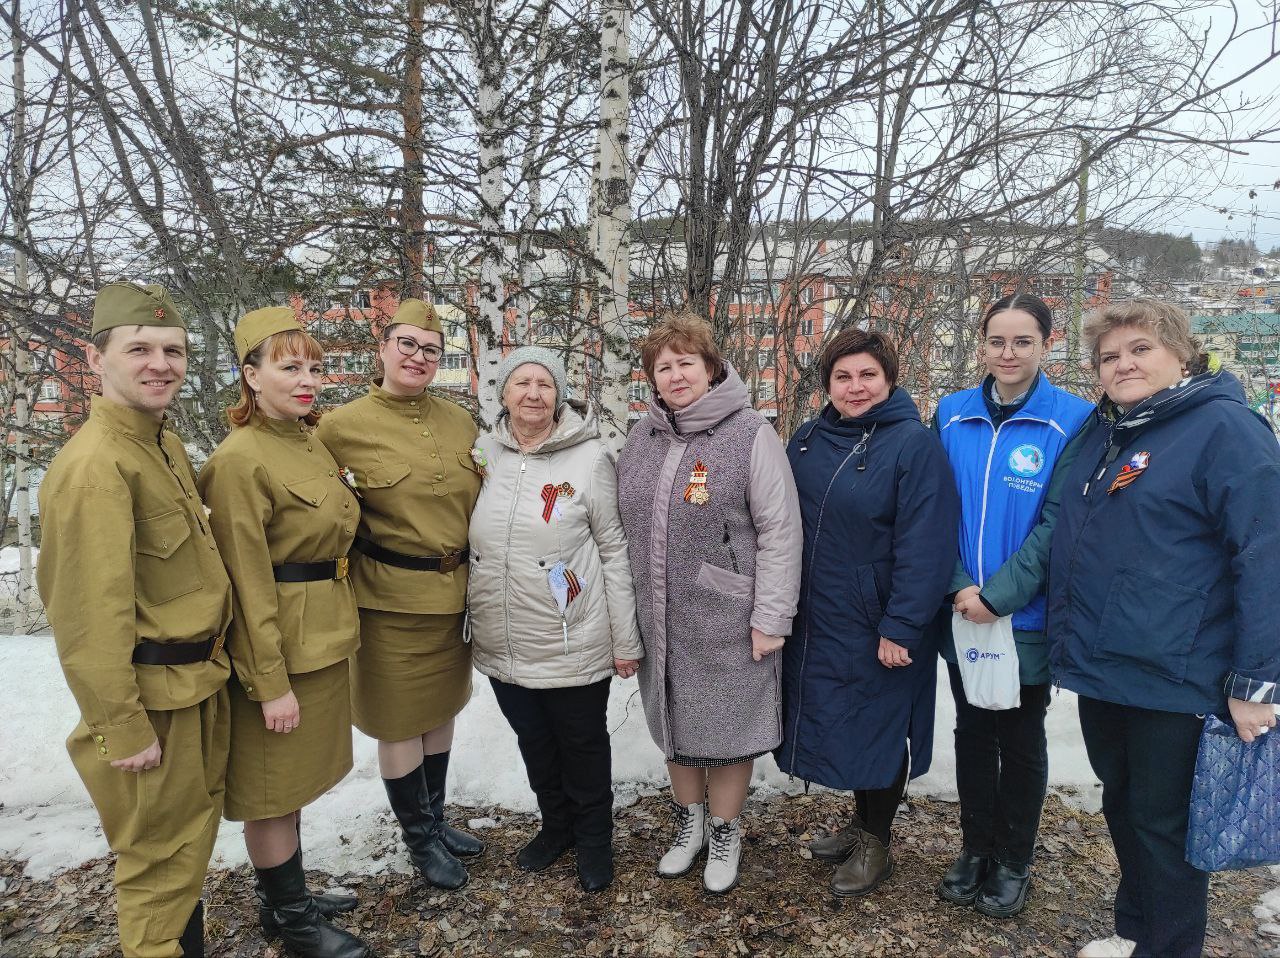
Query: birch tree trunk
[19, 341]
[611, 182]
[491, 135]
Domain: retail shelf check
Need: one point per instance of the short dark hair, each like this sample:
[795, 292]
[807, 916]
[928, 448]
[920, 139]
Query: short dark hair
[853, 341]
[1034, 305]
[101, 339]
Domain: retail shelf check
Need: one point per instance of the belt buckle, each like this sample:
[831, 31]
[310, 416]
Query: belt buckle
[342, 566]
[218, 642]
[451, 561]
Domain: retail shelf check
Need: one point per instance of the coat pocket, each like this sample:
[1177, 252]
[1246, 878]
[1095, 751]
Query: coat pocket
[869, 593]
[725, 582]
[164, 569]
[1150, 621]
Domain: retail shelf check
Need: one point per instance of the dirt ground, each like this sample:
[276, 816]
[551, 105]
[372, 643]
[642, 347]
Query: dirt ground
[782, 906]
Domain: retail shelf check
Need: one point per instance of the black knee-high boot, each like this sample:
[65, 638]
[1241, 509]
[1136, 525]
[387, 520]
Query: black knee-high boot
[328, 904]
[436, 768]
[301, 926]
[411, 803]
[192, 940]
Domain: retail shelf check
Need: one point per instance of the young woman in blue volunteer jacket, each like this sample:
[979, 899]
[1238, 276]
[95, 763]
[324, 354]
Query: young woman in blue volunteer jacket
[1163, 600]
[880, 514]
[1009, 442]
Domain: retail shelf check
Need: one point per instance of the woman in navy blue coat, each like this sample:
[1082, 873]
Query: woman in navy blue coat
[880, 515]
[1163, 600]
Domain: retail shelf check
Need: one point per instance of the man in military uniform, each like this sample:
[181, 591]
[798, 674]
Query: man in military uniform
[139, 603]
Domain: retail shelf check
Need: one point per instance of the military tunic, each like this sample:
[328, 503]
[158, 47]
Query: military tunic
[276, 498]
[410, 458]
[127, 556]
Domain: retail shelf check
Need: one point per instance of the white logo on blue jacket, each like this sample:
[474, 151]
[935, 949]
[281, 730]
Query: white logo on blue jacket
[1027, 460]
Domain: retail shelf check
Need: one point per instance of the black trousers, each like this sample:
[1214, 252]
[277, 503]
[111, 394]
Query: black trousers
[1002, 773]
[1146, 760]
[878, 806]
[564, 741]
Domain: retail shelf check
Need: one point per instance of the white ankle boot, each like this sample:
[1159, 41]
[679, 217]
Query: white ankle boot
[1113, 947]
[691, 839]
[721, 873]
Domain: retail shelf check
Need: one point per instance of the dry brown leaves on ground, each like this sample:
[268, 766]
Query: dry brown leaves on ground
[782, 906]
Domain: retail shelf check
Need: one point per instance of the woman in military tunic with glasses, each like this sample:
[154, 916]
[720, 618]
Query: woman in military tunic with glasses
[409, 456]
[284, 522]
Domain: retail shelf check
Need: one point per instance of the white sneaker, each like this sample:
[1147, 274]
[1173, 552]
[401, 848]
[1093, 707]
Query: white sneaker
[1113, 947]
[690, 841]
[721, 873]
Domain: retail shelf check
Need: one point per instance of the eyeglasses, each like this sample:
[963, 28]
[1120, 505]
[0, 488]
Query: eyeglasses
[1022, 346]
[410, 347]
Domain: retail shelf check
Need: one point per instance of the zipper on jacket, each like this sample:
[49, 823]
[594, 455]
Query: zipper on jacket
[986, 489]
[733, 556]
[506, 572]
[808, 593]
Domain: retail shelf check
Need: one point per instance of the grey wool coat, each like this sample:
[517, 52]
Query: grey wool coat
[714, 539]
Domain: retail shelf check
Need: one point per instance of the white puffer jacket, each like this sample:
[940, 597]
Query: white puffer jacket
[517, 632]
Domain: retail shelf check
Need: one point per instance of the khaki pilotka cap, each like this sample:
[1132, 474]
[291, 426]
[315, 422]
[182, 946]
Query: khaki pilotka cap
[256, 327]
[131, 304]
[415, 312]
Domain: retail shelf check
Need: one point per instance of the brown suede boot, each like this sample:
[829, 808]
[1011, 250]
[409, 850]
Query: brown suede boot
[837, 846]
[868, 865]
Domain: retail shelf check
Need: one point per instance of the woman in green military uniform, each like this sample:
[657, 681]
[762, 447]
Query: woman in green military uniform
[409, 455]
[284, 520]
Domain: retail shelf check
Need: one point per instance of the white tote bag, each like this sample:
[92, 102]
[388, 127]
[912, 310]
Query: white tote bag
[988, 660]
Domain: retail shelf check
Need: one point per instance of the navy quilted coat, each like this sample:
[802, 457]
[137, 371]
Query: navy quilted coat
[880, 515]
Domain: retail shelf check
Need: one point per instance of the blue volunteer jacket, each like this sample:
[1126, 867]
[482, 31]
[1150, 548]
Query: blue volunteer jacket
[1002, 474]
[1164, 574]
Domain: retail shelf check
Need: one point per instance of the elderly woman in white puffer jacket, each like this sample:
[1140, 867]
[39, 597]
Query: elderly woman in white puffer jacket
[551, 602]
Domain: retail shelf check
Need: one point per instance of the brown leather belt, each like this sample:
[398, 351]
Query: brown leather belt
[445, 563]
[176, 653]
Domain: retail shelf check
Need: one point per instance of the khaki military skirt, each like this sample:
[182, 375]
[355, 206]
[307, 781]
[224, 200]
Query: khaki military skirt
[270, 774]
[412, 673]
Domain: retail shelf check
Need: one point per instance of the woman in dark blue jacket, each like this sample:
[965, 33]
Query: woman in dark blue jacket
[880, 514]
[1010, 445]
[1163, 600]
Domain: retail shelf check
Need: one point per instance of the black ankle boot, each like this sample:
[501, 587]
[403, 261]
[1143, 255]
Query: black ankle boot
[411, 803]
[1004, 893]
[435, 768]
[544, 849]
[192, 940]
[298, 919]
[963, 879]
[595, 867]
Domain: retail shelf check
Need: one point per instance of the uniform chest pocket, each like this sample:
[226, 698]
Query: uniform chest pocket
[164, 569]
[312, 491]
[386, 475]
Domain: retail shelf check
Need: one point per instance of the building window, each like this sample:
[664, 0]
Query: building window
[454, 359]
[360, 299]
[638, 391]
[50, 389]
[806, 327]
[763, 358]
[358, 363]
[804, 359]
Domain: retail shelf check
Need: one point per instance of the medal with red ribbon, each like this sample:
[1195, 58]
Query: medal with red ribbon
[550, 493]
[696, 491]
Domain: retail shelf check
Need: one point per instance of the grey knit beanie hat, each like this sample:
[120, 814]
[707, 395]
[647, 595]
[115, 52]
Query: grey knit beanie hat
[540, 355]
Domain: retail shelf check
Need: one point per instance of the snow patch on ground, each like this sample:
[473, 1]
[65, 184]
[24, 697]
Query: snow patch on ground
[11, 559]
[46, 817]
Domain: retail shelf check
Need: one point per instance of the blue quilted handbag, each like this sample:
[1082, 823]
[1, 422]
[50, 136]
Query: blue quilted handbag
[1235, 800]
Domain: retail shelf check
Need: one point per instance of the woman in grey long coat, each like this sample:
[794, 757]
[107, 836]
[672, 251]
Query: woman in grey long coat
[707, 500]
